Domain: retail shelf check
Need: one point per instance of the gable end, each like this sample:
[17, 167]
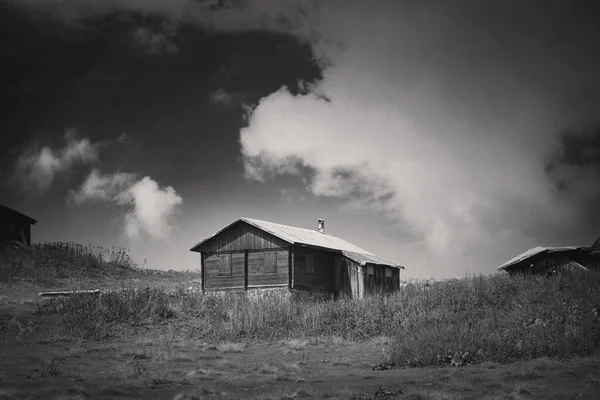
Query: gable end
[240, 236]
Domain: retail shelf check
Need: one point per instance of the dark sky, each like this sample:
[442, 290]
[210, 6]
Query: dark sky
[447, 136]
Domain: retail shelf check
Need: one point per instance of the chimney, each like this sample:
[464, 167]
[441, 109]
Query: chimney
[321, 225]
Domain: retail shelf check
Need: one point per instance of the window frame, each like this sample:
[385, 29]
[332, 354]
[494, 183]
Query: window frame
[268, 257]
[223, 271]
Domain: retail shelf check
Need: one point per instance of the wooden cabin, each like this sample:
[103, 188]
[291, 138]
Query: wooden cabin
[550, 260]
[254, 254]
[15, 228]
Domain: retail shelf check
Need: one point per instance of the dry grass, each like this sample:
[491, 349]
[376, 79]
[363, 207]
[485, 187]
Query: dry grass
[456, 322]
[231, 347]
[48, 263]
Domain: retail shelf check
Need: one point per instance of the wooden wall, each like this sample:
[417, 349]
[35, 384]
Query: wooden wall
[214, 278]
[379, 279]
[242, 236]
[321, 277]
[348, 282]
[14, 228]
[547, 263]
[268, 268]
[249, 269]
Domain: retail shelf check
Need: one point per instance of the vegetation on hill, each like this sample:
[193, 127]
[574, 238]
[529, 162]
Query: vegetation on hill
[455, 322]
[47, 263]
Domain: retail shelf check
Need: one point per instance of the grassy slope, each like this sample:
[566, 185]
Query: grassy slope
[457, 322]
[49, 263]
[471, 321]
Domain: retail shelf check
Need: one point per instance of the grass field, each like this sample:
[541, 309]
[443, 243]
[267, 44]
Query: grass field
[492, 337]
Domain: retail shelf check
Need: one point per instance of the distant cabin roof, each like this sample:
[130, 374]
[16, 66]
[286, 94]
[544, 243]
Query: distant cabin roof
[5, 209]
[596, 245]
[538, 250]
[302, 236]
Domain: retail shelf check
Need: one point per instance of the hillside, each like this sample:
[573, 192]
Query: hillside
[155, 331]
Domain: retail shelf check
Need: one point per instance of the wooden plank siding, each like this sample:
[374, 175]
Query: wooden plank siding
[249, 269]
[348, 282]
[14, 228]
[380, 279]
[550, 263]
[214, 276]
[242, 236]
[322, 274]
[268, 268]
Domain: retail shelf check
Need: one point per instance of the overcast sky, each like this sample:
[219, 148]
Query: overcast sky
[445, 136]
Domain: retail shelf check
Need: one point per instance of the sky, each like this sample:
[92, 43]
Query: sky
[445, 136]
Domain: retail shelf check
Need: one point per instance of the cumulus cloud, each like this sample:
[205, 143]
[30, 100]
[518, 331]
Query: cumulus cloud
[440, 115]
[150, 207]
[105, 187]
[434, 123]
[38, 167]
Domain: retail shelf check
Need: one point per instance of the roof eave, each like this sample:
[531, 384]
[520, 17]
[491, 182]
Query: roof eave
[213, 235]
[27, 217]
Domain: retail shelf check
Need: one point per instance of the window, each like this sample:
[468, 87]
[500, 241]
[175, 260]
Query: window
[270, 263]
[389, 279]
[310, 263]
[225, 264]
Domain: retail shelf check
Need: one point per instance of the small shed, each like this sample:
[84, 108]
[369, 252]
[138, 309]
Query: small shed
[254, 254]
[15, 227]
[549, 260]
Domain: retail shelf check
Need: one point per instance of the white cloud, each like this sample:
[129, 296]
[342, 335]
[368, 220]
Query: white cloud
[104, 187]
[37, 167]
[150, 206]
[429, 124]
[441, 115]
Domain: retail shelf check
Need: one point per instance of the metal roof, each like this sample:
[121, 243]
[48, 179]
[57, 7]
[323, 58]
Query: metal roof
[596, 245]
[363, 259]
[538, 250]
[302, 236]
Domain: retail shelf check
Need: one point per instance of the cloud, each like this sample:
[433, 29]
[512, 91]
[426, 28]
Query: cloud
[104, 187]
[37, 167]
[123, 138]
[439, 117]
[575, 167]
[150, 206]
[220, 15]
[154, 42]
[223, 97]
